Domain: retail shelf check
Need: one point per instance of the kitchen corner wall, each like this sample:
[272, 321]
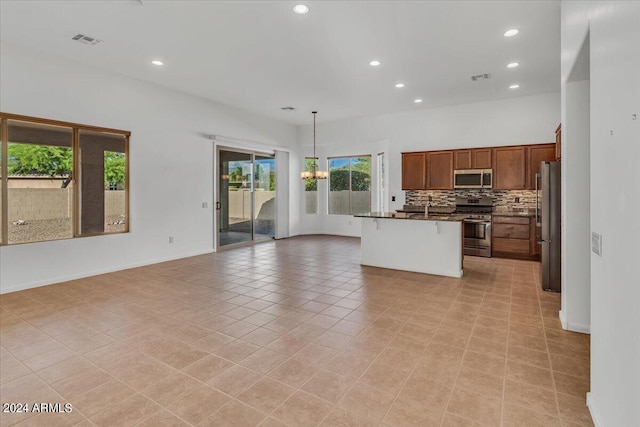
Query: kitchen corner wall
[502, 199]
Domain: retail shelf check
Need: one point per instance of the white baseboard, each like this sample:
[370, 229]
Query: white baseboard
[563, 320]
[571, 326]
[597, 422]
[84, 274]
[319, 233]
[578, 327]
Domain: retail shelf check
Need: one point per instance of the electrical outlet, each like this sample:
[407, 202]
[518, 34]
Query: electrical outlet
[393, 198]
[170, 239]
[430, 198]
[205, 205]
[517, 200]
[596, 243]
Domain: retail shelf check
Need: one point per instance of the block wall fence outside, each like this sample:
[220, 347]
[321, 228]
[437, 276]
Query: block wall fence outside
[39, 203]
[54, 203]
[114, 202]
[240, 202]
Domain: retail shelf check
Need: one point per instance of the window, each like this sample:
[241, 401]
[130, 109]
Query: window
[310, 187]
[382, 202]
[349, 185]
[61, 180]
[102, 167]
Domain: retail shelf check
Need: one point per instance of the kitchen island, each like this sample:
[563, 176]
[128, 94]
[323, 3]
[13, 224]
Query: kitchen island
[413, 242]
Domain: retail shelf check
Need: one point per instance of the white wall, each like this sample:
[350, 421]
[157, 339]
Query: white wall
[576, 239]
[614, 36]
[171, 163]
[513, 121]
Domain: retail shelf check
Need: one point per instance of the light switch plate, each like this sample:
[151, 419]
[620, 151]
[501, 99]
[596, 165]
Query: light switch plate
[596, 243]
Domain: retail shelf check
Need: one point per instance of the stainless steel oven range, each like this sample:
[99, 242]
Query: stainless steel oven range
[477, 224]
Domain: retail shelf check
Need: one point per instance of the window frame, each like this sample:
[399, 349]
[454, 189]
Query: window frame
[380, 168]
[349, 160]
[75, 217]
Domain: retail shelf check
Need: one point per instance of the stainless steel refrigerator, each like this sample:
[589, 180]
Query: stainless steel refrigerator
[548, 221]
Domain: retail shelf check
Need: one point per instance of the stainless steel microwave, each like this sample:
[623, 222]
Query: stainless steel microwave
[473, 178]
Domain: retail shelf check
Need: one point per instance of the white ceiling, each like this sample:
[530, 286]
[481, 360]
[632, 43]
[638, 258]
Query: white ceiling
[260, 56]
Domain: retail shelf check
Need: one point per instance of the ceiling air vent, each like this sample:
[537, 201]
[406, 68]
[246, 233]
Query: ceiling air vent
[485, 76]
[287, 108]
[81, 38]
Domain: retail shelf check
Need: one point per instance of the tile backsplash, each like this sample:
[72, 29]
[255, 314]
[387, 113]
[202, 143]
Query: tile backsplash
[502, 199]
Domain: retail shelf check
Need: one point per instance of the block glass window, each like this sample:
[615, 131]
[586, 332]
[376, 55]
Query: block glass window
[39, 182]
[349, 185]
[61, 180]
[102, 182]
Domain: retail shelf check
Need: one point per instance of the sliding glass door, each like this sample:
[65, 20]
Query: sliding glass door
[246, 197]
[264, 197]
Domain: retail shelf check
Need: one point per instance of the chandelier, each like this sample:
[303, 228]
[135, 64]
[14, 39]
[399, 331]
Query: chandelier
[314, 173]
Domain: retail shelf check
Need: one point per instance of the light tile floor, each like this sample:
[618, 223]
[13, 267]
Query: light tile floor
[294, 333]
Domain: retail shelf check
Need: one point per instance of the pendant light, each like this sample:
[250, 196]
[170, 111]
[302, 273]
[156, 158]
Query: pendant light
[314, 173]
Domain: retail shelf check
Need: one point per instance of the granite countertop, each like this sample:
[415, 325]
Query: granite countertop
[433, 209]
[523, 213]
[411, 216]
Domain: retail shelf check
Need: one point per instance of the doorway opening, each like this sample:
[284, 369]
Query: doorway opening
[246, 206]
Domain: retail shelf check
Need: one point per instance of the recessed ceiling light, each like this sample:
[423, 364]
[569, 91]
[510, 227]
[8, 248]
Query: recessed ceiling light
[510, 33]
[514, 86]
[513, 65]
[374, 63]
[301, 9]
[417, 101]
[399, 85]
[157, 63]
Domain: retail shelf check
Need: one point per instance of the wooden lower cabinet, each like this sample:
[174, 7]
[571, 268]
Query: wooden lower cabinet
[514, 237]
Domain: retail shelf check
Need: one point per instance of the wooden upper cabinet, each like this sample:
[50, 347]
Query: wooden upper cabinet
[462, 159]
[558, 141]
[509, 168]
[414, 171]
[440, 170]
[481, 158]
[536, 155]
[476, 158]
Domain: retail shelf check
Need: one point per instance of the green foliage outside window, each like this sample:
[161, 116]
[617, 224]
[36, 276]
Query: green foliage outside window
[114, 168]
[52, 161]
[29, 159]
[310, 184]
[360, 176]
[339, 180]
